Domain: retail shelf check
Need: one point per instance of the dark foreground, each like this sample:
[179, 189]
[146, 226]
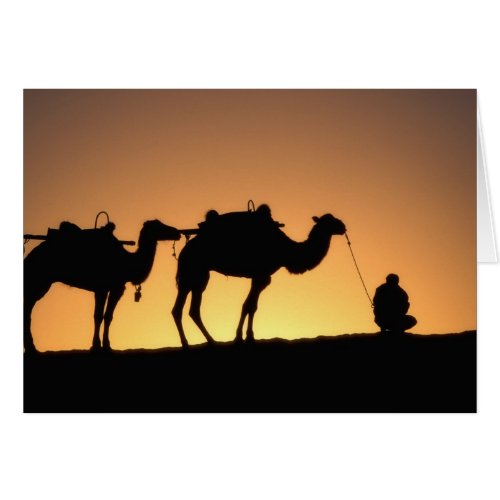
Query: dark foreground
[352, 373]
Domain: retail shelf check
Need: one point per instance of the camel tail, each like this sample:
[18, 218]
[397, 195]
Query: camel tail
[181, 270]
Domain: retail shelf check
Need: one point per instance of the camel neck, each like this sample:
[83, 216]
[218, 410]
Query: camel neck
[306, 255]
[143, 259]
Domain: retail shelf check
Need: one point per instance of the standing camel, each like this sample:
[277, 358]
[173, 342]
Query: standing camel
[92, 260]
[246, 245]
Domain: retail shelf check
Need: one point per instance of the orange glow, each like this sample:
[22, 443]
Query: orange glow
[398, 167]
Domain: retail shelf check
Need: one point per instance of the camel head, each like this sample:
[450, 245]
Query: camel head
[329, 224]
[158, 231]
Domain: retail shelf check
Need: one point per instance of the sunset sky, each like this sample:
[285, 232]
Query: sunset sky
[397, 167]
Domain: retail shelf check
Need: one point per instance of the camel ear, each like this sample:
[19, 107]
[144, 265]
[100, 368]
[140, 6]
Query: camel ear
[316, 219]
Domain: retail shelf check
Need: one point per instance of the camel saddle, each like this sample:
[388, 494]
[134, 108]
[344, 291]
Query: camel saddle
[238, 223]
[72, 234]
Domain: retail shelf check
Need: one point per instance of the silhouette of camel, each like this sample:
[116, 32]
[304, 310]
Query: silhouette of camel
[246, 245]
[93, 260]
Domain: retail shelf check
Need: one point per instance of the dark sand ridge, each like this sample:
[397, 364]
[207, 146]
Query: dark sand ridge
[349, 373]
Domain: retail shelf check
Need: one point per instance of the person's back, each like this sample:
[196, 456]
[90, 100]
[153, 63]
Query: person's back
[390, 305]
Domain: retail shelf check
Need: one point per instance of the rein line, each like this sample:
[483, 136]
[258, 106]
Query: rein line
[357, 268]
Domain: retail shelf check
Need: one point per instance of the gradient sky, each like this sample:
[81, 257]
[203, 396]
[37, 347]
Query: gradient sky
[398, 167]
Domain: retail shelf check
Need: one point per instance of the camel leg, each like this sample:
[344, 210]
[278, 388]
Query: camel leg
[31, 296]
[177, 313]
[195, 313]
[250, 307]
[100, 300]
[239, 329]
[258, 285]
[114, 296]
[29, 345]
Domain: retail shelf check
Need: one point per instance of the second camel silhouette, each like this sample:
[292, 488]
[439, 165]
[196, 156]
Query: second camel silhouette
[246, 245]
[92, 260]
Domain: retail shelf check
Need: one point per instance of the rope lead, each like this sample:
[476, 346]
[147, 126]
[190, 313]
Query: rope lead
[357, 268]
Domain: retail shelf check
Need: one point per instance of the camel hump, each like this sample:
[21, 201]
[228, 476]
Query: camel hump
[68, 227]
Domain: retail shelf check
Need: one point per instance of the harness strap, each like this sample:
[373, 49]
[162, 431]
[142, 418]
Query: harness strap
[97, 217]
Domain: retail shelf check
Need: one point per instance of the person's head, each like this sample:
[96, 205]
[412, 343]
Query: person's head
[392, 279]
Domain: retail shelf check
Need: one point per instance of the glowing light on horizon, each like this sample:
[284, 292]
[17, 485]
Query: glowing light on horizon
[397, 167]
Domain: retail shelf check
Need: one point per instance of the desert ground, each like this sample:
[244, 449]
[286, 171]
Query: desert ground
[348, 373]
